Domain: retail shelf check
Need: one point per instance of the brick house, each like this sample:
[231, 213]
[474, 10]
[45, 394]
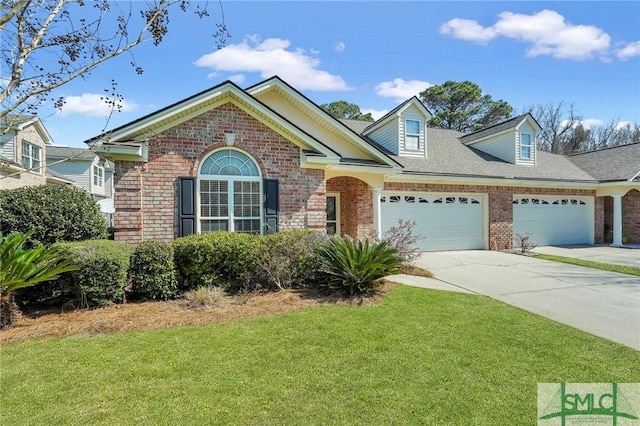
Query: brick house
[267, 158]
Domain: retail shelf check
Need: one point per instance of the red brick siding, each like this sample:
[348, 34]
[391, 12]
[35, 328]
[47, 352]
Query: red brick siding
[631, 215]
[356, 206]
[599, 210]
[146, 200]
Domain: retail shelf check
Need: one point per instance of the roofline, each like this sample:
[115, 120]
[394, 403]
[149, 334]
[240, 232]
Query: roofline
[602, 149]
[233, 89]
[489, 134]
[396, 111]
[341, 125]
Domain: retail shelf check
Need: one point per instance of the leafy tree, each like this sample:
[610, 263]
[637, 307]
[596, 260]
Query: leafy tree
[22, 267]
[48, 43]
[463, 107]
[344, 109]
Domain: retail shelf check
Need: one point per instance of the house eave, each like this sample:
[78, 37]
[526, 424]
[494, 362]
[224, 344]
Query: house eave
[491, 180]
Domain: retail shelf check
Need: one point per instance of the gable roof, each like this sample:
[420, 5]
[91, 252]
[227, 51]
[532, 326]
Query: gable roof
[21, 121]
[503, 126]
[620, 163]
[448, 156]
[396, 112]
[137, 131]
[304, 104]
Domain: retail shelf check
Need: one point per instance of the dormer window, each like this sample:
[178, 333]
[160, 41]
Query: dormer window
[525, 145]
[412, 135]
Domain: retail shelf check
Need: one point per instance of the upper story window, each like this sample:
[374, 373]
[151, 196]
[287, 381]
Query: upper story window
[412, 135]
[525, 145]
[31, 156]
[98, 176]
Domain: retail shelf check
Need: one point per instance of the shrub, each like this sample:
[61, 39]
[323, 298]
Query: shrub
[23, 268]
[225, 259]
[152, 271]
[290, 258]
[102, 273]
[204, 297]
[55, 213]
[402, 239]
[524, 242]
[354, 267]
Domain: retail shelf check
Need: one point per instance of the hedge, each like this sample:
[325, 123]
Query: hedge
[55, 213]
[152, 272]
[102, 276]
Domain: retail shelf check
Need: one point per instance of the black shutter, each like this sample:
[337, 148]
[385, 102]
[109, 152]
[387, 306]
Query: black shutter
[271, 206]
[187, 206]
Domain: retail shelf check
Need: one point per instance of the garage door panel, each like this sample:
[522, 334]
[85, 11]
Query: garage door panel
[554, 220]
[445, 222]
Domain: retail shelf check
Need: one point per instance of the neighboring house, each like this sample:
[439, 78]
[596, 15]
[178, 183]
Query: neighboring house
[87, 171]
[267, 158]
[23, 143]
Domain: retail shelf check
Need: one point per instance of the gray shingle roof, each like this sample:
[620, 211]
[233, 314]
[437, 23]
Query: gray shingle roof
[64, 152]
[357, 126]
[497, 128]
[618, 163]
[447, 156]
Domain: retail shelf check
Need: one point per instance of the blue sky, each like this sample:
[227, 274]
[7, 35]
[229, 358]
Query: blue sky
[377, 54]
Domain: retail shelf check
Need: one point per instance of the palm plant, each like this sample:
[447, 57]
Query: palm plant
[354, 267]
[20, 267]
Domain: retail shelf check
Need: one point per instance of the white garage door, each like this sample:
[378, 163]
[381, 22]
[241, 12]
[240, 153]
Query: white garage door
[553, 220]
[444, 221]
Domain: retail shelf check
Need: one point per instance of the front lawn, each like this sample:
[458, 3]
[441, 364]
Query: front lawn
[621, 269]
[418, 357]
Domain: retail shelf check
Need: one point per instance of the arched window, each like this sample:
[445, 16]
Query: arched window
[230, 188]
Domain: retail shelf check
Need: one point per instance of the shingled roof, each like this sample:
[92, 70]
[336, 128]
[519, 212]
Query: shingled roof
[620, 163]
[496, 128]
[447, 155]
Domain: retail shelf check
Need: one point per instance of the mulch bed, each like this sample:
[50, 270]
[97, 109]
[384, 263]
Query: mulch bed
[175, 313]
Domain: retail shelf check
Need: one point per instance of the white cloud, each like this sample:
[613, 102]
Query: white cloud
[273, 56]
[587, 123]
[339, 47]
[400, 89]
[237, 78]
[622, 124]
[376, 114]
[546, 32]
[629, 51]
[466, 29]
[92, 105]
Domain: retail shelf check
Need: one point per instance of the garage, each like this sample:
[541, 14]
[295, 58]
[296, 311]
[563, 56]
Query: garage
[443, 221]
[553, 220]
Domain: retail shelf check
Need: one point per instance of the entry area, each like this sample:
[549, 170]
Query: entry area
[443, 221]
[554, 220]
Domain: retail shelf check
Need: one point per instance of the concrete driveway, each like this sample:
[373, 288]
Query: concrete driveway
[603, 303]
[629, 256]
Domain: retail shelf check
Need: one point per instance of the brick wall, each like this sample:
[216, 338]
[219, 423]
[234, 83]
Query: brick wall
[146, 193]
[356, 206]
[631, 215]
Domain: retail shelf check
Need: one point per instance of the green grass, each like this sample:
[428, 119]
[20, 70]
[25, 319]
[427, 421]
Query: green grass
[419, 357]
[622, 269]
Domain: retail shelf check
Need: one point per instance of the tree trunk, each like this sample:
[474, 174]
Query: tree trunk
[9, 311]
